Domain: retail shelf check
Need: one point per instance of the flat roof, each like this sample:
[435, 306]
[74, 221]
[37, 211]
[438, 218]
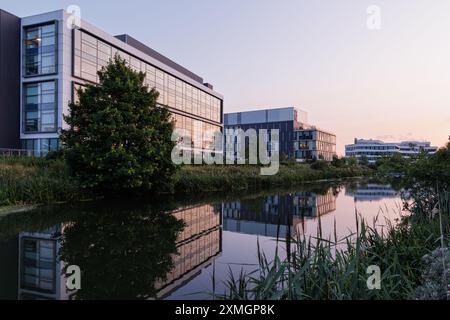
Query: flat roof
[158, 56]
[141, 51]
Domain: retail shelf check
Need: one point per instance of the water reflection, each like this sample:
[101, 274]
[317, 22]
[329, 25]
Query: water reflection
[166, 251]
[278, 215]
[373, 192]
[198, 245]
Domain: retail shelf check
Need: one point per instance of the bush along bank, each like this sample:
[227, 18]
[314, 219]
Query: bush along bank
[221, 178]
[26, 181]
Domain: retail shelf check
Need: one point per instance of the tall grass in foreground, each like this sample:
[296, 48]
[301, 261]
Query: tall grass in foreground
[336, 269]
[35, 181]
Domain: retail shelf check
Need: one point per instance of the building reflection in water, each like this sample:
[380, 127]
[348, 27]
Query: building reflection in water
[372, 192]
[198, 245]
[278, 215]
[40, 271]
[9, 253]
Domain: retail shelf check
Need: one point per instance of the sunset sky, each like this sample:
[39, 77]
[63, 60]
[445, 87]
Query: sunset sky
[319, 55]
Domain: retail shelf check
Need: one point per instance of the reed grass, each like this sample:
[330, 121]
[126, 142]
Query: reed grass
[336, 269]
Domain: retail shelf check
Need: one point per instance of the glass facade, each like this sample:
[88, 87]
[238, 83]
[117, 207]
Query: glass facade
[201, 133]
[40, 147]
[40, 107]
[91, 54]
[314, 144]
[40, 50]
[38, 270]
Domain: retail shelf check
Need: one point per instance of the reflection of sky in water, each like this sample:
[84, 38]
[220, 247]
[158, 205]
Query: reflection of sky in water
[219, 238]
[240, 249]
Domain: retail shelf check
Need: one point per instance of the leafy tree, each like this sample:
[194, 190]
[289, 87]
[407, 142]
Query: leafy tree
[320, 165]
[118, 139]
[338, 162]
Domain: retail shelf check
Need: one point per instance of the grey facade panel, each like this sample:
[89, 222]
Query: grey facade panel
[9, 80]
[260, 116]
[156, 55]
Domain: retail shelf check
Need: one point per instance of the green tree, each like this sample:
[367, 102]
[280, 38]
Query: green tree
[119, 139]
[394, 164]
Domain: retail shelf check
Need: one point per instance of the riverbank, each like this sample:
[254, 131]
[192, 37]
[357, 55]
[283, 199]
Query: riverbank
[32, 181]
[192, 179]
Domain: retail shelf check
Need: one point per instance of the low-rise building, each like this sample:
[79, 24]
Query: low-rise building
[311, 143]
[372, 150]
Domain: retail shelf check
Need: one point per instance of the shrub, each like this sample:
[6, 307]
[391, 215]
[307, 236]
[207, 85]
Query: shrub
[119, 140]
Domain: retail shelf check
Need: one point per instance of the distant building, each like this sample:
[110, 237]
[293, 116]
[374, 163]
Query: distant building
[376, 149]
[298, 140]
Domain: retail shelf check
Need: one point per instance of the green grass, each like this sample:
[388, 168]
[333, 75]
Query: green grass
[193, 179]
[25, 181]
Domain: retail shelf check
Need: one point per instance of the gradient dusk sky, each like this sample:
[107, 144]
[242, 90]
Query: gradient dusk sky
[391, 84]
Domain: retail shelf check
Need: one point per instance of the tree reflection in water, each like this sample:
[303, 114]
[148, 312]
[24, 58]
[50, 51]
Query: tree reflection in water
[121, 253]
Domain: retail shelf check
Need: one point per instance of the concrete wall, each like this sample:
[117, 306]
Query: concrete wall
[9, 80]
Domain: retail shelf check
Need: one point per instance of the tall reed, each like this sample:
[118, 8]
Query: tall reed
[336, 269]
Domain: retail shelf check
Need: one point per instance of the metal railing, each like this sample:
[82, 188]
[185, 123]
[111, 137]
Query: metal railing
[18, 153]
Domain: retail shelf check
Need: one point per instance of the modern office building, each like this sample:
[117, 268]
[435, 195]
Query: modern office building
[58, 58]
[9, 257]
[373, 150]
[297, 139]
[311, 143]
[286, 120]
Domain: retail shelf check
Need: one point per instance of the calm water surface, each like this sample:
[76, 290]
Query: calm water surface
[172, 250]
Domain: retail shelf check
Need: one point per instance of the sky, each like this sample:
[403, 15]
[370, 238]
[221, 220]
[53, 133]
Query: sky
[390, 83]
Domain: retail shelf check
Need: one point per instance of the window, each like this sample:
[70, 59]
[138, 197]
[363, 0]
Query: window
[40, 50]
[91, 54]
[40, 147]
[40, 111]
[38, 268]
